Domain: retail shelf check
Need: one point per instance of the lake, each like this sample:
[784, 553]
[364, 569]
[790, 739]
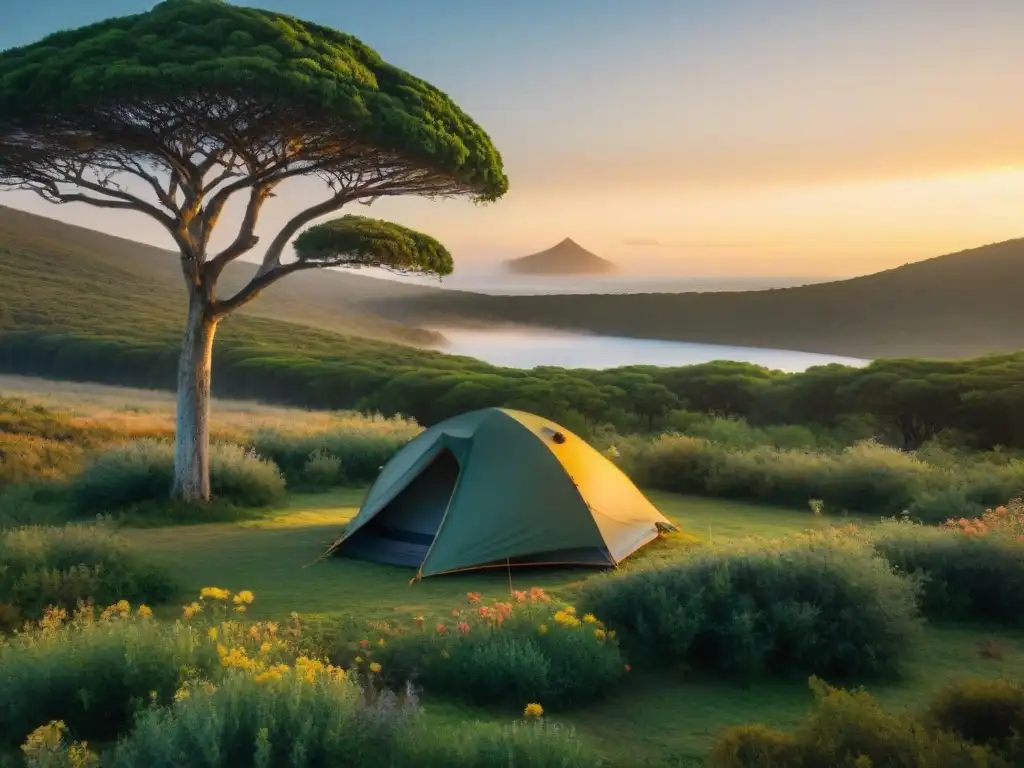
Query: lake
[529, 348]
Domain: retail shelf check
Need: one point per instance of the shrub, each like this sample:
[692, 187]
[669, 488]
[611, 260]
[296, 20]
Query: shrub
[362, 448]
[308, 721]
[823, 604]
[985, 712]
[94, 673]
[846, 729]
[509, 653]
[44, 566]
[322, 470]
[965, 575]
[141, 473]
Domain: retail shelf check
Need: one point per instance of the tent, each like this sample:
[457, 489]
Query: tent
[499, 487]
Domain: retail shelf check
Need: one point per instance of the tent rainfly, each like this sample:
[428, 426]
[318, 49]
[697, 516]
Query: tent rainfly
[494, 488]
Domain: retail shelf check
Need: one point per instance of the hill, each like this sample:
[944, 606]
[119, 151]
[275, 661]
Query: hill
[565, 258]
[960, 305]
[328, 300]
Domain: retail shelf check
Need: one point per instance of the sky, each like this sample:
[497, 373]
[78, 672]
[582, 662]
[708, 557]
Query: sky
[693, 137]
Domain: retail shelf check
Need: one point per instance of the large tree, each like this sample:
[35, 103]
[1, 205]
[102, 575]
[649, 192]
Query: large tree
[175, 111]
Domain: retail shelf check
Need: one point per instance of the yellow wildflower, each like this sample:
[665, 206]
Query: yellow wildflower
[570, 610]
[123, 607]
[145, 612]
[600, 634]
[236, 658]
[192, 610]
[245, 597]
[381, 642]
[543, 628]
[589, 618]
[533, 711]
[358, 659]
[181, 693]
[374, 667]
[212, 633]
[240, 608]
[215, 593]
[265, 648]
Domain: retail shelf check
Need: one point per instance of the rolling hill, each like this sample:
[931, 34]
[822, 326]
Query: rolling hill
[566, 258]
[331, 301]
[960, 305]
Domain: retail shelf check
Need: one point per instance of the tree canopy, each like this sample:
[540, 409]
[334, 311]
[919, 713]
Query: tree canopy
[222, 70]
[364, 242]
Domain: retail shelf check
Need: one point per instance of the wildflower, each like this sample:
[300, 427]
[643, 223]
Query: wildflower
[364, 643]
[589, 618]
[358, 659]
[442, 629]
[600, 634]
[474, 597]
[245, 597]
[543, 628]
[192, 610]
[571, 610]
[462, 627]
[374, 667]
[520, 596]
[181, 693]
[533, 711]
[152, 697]
[212, 633]
[381, 642]
[145, 612]
[538, 595]
[214, 593]
[241, 609]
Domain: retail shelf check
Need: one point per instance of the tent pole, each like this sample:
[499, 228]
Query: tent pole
[508, 565]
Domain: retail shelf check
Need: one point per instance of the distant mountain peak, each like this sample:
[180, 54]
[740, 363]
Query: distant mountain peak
[566, 258]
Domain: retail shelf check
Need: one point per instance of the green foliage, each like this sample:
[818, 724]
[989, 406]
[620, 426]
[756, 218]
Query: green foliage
[366, 242]
[823, 604]
[361, 453]
[326, 82]
[985, 712]
[535, 655]
[847, 729]
[94, 674]
[51, 566]
[964, 577]
[140, 473]
[315, 724]
[322, 470]
[865, 478]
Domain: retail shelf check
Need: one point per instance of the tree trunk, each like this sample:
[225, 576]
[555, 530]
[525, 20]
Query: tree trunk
[192, 440]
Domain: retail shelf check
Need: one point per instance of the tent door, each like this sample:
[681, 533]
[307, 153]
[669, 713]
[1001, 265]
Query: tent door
[403, 531]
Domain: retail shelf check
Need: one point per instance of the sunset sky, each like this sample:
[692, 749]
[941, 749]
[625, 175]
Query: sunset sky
[705, 137]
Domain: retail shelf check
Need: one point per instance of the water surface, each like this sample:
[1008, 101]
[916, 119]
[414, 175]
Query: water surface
[529, 348]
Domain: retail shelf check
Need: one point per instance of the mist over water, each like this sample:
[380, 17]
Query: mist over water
[529, 348]
[497, 282]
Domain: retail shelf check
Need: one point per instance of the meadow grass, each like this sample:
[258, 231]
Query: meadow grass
[658, 720]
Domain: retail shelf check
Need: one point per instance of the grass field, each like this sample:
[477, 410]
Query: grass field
[664, 721]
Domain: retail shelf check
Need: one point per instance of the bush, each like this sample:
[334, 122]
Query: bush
[325, 720]
[93, 673]
[322, 470]
[824, 604]
[985, 712]
[509, 654]
[846, 729]
[43, 566]
[361, 449]
[140, 473]
[965, 575]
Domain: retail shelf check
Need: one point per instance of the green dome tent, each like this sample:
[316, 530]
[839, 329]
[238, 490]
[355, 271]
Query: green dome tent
[498, 487]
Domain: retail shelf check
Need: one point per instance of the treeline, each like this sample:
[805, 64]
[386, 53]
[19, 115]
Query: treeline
[975, 403]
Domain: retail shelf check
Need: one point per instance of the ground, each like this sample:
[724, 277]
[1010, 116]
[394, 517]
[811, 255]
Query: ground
[668, 721]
